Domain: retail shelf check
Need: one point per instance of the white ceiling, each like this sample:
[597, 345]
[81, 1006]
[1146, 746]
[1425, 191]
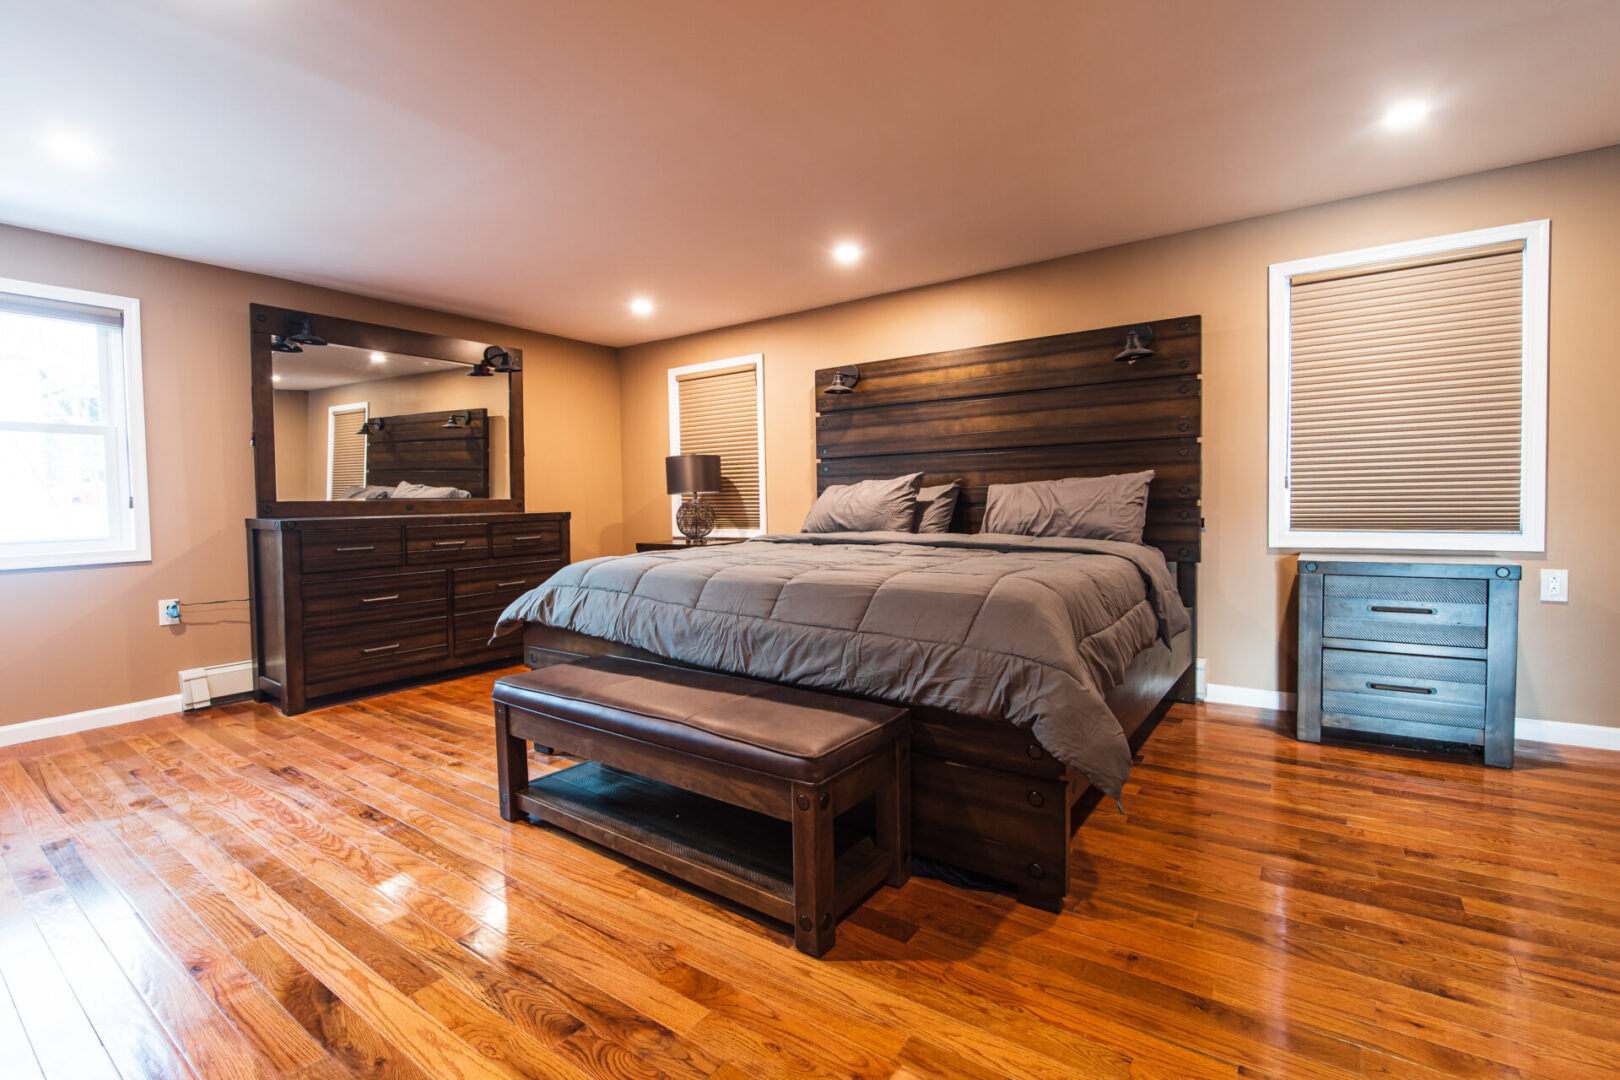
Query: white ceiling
[321, 367]
[540, 163]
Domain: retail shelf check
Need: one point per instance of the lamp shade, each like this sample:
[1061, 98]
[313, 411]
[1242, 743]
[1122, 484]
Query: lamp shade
[685, 473]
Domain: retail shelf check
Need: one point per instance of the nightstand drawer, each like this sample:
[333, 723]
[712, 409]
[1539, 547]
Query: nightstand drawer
[1420, 611]
[1412, 689]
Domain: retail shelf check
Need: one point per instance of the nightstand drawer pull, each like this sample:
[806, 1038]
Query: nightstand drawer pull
[504, 584]
[378, 599]
[381, 648]
[449, 543]
[526, 539]
[1404, 610]
[363, 547]
[1401, 689]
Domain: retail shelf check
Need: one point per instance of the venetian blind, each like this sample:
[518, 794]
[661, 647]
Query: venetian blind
[348, 466]
[1405, 395]
[720, 415]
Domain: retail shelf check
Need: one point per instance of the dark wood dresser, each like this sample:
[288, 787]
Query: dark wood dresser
[1413, 650]
[343, 604]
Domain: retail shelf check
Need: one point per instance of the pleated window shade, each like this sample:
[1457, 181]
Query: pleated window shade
[719, 414]
[1405, 394]
[348, 464]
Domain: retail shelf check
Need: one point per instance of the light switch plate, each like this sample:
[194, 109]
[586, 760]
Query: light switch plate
[1555, 586]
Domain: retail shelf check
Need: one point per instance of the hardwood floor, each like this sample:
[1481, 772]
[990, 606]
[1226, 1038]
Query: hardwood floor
[234, 893]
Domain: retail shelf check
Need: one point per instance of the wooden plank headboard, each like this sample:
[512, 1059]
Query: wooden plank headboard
[1039, 409]
[417, 448]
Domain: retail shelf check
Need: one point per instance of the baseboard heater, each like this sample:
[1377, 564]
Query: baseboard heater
[204, 686]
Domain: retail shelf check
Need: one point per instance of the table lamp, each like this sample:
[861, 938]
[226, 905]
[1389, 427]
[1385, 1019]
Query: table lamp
[692, 475]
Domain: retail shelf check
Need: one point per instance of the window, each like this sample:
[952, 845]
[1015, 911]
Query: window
[72, 437]
[1409, 395]
[719, 408]
[345, 448]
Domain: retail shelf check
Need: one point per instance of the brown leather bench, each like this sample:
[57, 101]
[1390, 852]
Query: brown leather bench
[671, 751]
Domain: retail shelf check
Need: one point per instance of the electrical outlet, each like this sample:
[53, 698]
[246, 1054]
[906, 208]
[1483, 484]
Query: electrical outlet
[168, 612]
[1555, 586]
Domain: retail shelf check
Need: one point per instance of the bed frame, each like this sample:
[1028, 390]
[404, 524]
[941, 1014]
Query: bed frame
[986, 796]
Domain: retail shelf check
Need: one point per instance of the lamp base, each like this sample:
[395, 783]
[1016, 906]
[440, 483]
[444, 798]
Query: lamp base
[695, 519]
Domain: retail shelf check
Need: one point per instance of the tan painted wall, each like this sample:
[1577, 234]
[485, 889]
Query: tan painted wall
[88, 637]
[294, 447]
[1220, 273]
[435, 392]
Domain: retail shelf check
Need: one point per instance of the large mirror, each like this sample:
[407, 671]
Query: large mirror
[354, 418]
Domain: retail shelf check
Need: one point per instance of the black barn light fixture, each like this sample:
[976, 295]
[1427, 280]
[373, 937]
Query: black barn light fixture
[1137, 340]
[843, 380]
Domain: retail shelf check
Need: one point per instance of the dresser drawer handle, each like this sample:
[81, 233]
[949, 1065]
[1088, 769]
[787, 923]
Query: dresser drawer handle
[1400, 689]
[381, 648]
[503, 584]
[526, 539]
[1404, 610]
[377, 599]
[449, 543]
[366, 547]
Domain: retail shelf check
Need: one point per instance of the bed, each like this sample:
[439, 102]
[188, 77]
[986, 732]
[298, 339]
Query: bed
[1033, 668]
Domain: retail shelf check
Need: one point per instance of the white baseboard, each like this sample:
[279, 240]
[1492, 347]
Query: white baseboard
[68, 724]
[1525, 729]
[200, 686]
[1218, 694]
[1564, 733]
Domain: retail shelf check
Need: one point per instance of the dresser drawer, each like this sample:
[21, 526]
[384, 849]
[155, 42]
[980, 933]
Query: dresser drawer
[1414, 611]
[472, 632]
[446, 543]
[496, 586]
[394, 597]
[350, 549]
[516, 538]
[348, 649]
[1433, 690]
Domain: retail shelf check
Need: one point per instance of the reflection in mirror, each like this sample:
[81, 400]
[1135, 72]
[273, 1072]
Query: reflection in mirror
[355, 424]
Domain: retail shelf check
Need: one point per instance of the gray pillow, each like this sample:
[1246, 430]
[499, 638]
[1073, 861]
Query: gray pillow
[408, 490]
[1094, 507]
[935, 505]
[869, 506]
[367, 491]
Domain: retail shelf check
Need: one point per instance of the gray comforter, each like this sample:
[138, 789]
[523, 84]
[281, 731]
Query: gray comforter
[1033, 631]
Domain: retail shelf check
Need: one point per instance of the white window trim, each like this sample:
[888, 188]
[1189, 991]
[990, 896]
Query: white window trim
[757, 360]
[138, 548]
[1533, 445]
[331, 441]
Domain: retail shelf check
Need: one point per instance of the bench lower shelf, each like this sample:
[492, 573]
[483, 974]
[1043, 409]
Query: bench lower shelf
[733, 852]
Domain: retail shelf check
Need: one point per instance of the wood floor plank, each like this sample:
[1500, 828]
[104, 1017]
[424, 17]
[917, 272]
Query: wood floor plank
[333, 895]
[15, 1049]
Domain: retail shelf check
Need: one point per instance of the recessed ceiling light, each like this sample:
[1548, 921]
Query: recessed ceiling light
[847, 253]
[641, 307]
[1405, 115]
[71, 148]
[378, 358]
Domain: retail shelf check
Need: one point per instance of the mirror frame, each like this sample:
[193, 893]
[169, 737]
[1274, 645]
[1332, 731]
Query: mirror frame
[265, 320]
